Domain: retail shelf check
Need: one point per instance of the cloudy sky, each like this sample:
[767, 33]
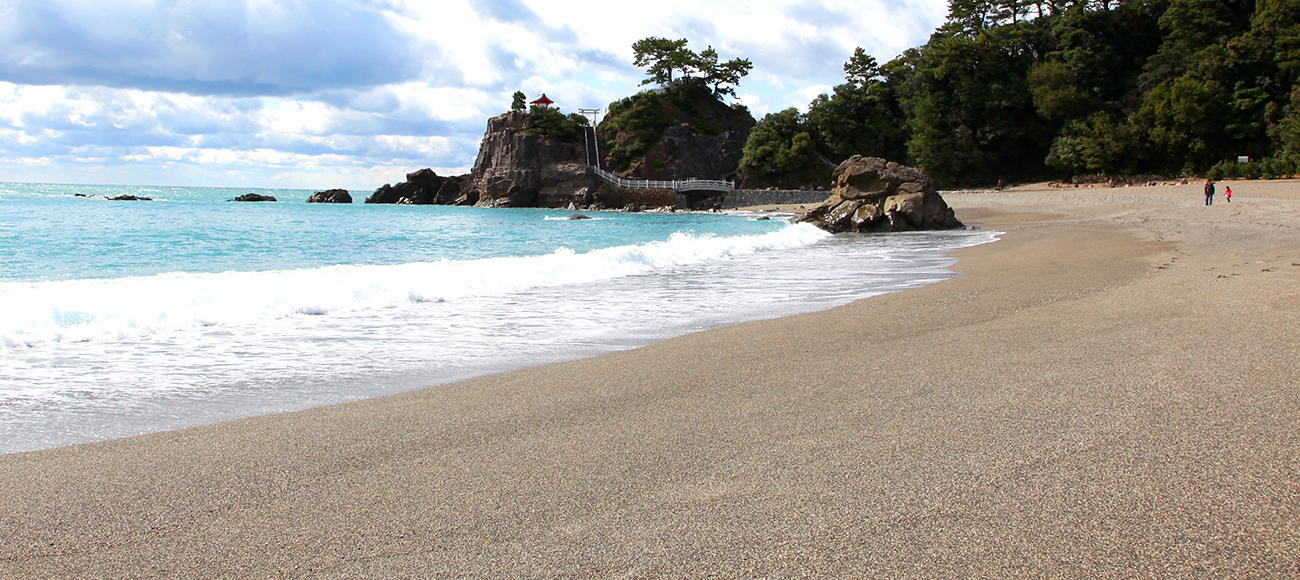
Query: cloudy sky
[318, 94]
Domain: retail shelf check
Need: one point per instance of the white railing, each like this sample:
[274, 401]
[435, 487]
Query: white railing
[685, 185]
[705, 185]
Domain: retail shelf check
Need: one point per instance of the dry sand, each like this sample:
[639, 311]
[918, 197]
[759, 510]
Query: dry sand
[1110, 391]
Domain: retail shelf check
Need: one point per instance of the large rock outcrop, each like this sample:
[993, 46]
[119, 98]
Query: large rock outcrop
[685, 154]
[421, 188]
[874, 195]
[680, 131]
[252, 197]
[517, 169]
[331, 196]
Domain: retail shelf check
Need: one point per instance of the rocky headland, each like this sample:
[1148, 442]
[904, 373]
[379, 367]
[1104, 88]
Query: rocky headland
[676, 133]
[668, 134]
[514, 168]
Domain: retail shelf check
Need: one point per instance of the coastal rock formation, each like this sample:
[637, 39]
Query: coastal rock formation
[679, 131]
[874, 195]
[518, 169]
[575, 185]
[253, 197]
[421, 187]
[685, 154]
[331, 196]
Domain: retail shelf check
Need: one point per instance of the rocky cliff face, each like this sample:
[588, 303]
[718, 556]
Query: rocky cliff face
[874, 195]
[683, 154]
[516, 169]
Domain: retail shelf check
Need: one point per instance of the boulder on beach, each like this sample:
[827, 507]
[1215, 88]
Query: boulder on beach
[253, 197]
[331, 196]
[875, 195]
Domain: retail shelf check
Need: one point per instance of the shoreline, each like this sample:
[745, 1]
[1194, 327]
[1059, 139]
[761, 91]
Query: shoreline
[1108, 390]
[104, 389]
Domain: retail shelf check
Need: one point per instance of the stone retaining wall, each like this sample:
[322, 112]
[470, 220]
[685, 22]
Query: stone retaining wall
[748, 197]
[648, 197]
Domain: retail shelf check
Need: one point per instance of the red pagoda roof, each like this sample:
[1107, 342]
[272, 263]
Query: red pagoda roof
[542, 101]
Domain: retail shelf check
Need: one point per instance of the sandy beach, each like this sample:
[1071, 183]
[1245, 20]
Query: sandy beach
[1109, 391]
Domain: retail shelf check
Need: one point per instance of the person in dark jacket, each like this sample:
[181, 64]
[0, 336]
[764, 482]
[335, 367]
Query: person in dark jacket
[1209, 192]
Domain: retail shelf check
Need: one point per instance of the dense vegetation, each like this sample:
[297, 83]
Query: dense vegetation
[1020, 89]
[635, 125]
[641, 119]
[543, 120]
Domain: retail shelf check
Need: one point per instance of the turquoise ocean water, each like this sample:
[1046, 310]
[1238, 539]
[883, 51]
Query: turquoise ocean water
[124, 317]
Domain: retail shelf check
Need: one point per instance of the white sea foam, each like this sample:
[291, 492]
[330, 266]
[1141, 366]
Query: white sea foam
[110, 309]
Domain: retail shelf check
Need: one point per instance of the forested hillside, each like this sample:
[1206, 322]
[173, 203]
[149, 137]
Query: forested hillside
[1018, 90]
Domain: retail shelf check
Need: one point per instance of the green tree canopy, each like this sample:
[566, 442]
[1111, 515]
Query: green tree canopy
[1036, 89]
[780, 152]
[661, 56]
[861, 68]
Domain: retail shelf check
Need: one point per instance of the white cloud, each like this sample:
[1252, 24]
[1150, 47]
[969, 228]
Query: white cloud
[325, 93]
[807, 94]
[755, 104]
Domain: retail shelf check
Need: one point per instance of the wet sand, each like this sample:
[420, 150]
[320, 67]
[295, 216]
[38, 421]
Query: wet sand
[1109, 391]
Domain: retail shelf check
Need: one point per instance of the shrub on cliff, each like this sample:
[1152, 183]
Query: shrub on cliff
[635, 125]
[548, 121]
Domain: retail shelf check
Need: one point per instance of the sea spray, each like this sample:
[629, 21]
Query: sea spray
[131, 307]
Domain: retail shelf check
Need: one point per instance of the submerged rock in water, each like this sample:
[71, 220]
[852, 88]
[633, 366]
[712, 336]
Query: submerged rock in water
[253, 197]
[577, 216]
[874, 195]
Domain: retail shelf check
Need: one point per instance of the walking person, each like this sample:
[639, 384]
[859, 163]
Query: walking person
[1227, 193]
[1209, 192]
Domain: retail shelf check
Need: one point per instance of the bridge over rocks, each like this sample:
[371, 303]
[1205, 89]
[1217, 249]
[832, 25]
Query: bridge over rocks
[686, 193]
